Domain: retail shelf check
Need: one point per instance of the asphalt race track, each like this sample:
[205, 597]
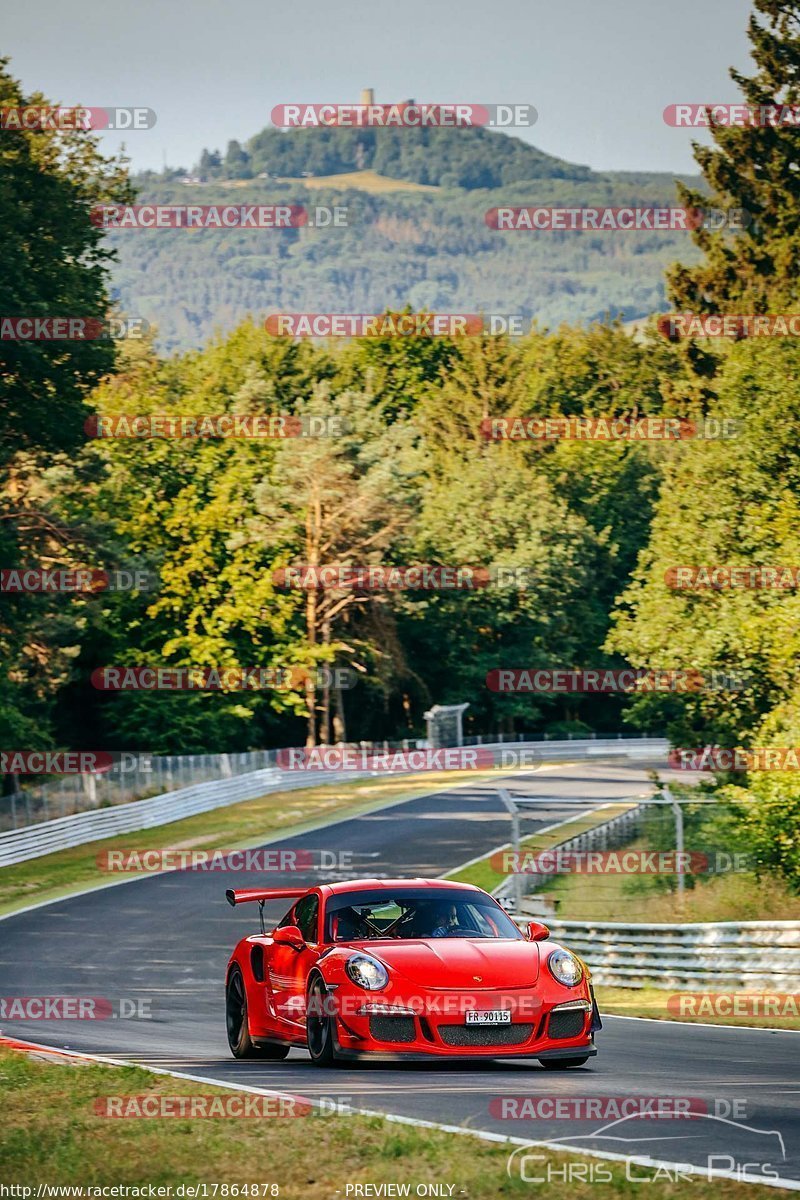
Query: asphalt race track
[166, 939]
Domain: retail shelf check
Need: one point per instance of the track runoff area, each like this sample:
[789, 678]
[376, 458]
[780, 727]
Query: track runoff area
[155, 951]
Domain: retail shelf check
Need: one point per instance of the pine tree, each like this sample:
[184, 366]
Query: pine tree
[755, 167]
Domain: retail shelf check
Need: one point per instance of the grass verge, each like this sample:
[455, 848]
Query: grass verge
[734, 896]
[485, 872]
[237, 827]
[52, 1134]
[781, 1012]
[364, 181]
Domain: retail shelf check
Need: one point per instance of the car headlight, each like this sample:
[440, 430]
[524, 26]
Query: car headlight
[367, 972]
[565, 968]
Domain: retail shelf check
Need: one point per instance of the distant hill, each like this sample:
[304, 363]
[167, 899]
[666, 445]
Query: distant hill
[466, 158]
[427, 246]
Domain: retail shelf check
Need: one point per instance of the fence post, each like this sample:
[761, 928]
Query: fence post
[90, 789]
[510, 807]
[678, 812]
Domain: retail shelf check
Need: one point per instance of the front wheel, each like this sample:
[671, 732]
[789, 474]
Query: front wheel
[239, 1038]
[563, 1064]
[320, 1029]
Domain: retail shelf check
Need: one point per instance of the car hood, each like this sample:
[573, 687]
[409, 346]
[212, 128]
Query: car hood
[463, 963]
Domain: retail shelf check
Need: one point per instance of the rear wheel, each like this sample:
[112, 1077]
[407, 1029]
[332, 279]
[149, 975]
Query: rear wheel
[239, 1038]
[563, 1064]
[320, 1030]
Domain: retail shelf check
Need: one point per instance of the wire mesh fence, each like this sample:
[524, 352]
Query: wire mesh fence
[136, 776]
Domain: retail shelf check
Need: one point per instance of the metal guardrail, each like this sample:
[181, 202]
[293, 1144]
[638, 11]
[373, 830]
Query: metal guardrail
[131, 777]
[33, 841]
[134, 776]
[711, 956]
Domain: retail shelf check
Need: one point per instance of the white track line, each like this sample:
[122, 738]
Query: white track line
[396, 1118]
[283, 836]
[703, 1024]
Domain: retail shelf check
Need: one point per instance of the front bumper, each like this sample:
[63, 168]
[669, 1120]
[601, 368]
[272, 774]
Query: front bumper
[387, 1054]
[557, 1030]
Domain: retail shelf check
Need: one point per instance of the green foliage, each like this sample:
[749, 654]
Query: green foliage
[52, 263]
[735, 502]
[756, 168]
[467, 158]
[725, 501]
[410, 479]
[767, 803]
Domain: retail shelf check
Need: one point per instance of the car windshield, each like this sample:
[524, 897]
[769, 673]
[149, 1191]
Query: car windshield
[415, 913]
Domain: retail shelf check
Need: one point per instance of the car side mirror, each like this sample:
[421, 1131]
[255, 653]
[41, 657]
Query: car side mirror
[537, 932]
[289, 935]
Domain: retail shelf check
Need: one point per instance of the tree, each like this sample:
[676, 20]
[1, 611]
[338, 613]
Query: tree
[185, 506]
[347, 500]
[724, 502]
[492, 505]
[237, 160]
[210, 162]
[53, 263]
[757, 168]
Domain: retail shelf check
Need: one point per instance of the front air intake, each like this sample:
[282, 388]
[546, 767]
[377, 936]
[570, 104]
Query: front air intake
[388, 1028]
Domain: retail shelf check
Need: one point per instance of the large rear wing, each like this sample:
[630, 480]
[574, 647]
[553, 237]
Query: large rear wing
[243, 895]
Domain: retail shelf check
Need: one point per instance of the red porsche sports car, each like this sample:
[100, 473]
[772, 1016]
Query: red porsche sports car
[410, 968]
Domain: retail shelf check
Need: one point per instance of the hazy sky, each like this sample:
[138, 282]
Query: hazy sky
[600, 72]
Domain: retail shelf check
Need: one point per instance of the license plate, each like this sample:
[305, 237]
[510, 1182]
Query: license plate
[496, 1016]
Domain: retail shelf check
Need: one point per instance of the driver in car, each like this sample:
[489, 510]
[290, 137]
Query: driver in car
[446, 921]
